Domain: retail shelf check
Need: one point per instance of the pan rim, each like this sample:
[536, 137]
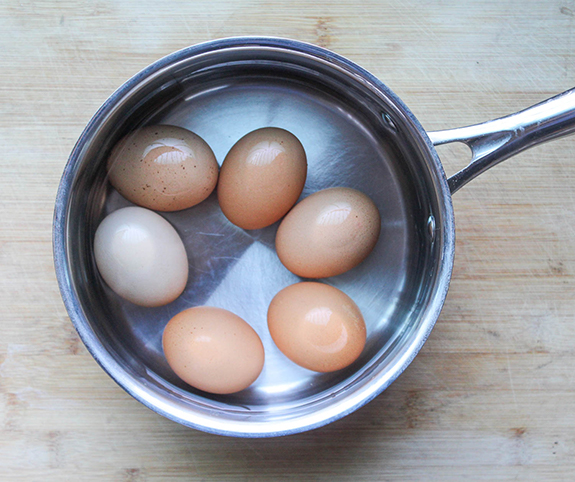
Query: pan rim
[147, 396]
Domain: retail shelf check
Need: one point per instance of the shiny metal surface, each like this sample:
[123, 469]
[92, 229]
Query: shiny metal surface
[494, 141]
[356, 133]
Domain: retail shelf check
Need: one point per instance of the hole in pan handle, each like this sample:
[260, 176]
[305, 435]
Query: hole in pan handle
[494, 141]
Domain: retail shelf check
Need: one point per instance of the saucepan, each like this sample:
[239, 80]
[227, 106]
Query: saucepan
[356, 133]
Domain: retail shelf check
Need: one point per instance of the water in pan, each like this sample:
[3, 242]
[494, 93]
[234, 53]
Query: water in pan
[238, 270]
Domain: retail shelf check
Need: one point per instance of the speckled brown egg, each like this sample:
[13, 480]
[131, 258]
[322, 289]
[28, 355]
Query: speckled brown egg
[213, 349]
[262, 177]
[328, 233]
[317, 326]
[164, 168]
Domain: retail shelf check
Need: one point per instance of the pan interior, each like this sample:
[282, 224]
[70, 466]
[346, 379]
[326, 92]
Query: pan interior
[352, 136]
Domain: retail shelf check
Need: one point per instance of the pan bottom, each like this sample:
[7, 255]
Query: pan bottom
[238, 270]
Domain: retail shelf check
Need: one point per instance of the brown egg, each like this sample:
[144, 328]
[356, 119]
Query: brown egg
[262, 177]
[213, 350]
[317, 326]
[328, 233]
[164, 168]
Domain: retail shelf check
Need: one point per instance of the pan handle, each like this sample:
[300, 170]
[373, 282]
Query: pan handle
[494, 141]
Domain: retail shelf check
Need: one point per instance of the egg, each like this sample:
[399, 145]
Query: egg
[141, 256]
[262, 177]
[317, 326]
[328, 233]
[213, 349]
[164, 168]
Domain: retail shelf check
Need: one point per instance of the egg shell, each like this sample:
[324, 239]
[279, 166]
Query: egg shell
[213, 349]
[164, 168]
[141, 256]
[317, 326]
[328, 233]
[262, 177]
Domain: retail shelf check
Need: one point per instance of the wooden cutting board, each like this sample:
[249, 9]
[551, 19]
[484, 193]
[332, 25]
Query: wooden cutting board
[492, 394]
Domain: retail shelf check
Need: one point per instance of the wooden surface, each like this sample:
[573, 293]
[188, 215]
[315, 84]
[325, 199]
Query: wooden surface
[492, 394]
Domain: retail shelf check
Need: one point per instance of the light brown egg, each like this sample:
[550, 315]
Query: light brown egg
[328, 233]
[317, 326]
[141, 256]
[213, 349]
[262, 177]
[165, 168]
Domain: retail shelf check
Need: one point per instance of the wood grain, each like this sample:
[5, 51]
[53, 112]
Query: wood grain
[492, 394]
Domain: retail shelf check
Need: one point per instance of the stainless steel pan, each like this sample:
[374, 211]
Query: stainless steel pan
[356, 133]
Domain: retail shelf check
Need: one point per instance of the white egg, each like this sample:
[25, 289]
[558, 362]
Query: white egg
[141, 256]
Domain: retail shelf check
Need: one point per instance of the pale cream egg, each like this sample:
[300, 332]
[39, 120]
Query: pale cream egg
[141, 256]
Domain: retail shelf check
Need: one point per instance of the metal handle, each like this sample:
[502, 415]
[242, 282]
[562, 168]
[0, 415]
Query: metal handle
[494, 141]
